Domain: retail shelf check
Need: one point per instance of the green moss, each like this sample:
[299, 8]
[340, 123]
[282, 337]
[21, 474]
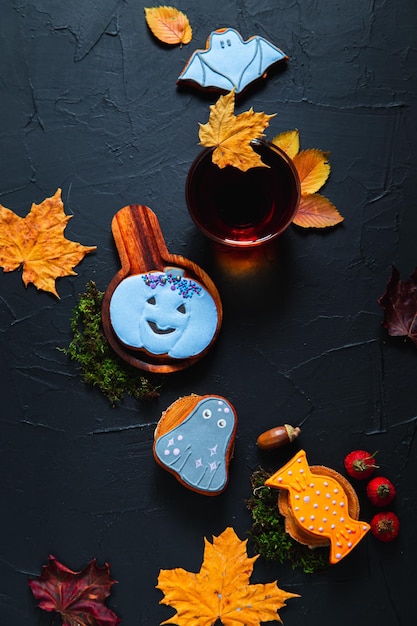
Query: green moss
[268, 531]
[99, 365]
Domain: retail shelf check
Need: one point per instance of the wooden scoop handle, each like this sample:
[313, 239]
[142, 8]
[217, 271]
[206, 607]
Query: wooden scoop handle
[139, 240]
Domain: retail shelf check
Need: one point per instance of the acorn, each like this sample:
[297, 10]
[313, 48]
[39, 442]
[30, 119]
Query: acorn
[277, 437]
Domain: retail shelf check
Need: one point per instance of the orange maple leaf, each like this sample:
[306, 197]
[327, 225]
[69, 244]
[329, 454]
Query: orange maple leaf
[231, 134]
[169, 25]
[37, 243]
[221, 589]
[313, 168]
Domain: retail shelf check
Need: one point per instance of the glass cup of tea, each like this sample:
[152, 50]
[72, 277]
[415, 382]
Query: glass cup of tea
[243, 209]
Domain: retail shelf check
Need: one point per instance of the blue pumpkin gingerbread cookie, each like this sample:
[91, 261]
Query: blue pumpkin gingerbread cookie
[194, 441]
[164, 313]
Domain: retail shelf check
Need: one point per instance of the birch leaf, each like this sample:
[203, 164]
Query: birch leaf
[289, 142]
[221, 589]
[313, 169]
[316, 211]
[230, 135]
[169, 25]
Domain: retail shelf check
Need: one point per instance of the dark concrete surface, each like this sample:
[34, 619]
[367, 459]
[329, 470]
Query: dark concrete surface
[89, 103]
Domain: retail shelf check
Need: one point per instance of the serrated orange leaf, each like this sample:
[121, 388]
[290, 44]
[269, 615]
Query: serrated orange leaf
[221, 589]
[231, 134]
[37, 243]
[313, 169]
[288, 141]
[169, 25]
[316, 211]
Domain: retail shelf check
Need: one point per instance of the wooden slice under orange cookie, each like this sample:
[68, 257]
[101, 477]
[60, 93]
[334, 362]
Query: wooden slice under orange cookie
[194, 441]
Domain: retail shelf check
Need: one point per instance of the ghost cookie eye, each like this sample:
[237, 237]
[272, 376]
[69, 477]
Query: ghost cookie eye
[206, 414]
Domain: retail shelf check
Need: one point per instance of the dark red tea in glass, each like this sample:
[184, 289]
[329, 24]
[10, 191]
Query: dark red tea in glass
[243, 208]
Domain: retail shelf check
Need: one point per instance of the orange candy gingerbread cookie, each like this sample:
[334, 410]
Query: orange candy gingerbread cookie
[319, 505]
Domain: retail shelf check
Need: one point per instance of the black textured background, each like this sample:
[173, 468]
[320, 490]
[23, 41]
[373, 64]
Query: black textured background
[89, 103]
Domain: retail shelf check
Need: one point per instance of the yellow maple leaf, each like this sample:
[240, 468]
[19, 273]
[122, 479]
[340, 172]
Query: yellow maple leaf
[230, 135]
[316, 211]
[37, 243]
[221, 589]
[169, 25]
[288, 141]
[313, 169]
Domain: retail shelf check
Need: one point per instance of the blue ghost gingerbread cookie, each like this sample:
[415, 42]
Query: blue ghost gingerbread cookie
[229, 62]
[194, 441]
[164, 313]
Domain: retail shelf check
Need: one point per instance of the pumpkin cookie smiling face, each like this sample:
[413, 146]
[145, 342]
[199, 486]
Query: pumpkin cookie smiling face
[164, 316]
[163, 313]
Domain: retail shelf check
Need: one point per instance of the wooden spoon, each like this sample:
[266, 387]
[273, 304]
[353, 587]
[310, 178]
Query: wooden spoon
[142, 249]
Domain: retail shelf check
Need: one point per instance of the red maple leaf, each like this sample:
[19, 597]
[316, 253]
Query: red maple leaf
[77, 596]
[400, 305]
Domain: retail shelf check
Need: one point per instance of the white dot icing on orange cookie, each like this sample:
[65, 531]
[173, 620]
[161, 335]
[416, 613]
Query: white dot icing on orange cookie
[311, 509]
[164, 313]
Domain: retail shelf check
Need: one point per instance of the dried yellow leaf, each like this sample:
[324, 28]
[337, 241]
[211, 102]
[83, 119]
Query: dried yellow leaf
[221, 589]
[231, 134]
[37, 243]
[288, 142]
[316, 211]
[169, 25]
[313, 169]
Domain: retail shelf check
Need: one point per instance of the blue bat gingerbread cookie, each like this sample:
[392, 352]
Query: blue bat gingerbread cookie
[229, 62]
[194, 441]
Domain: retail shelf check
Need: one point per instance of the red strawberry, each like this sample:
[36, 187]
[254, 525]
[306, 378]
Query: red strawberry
[385, 526]
[360, 464]
[380, 491]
